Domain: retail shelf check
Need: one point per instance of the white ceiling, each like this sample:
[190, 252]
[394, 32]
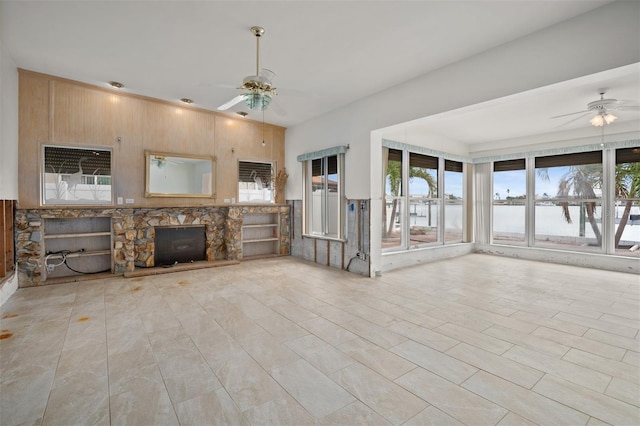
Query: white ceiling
[326, 54]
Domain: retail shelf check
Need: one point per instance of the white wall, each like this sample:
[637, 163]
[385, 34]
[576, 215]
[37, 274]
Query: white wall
[571, 49]
[8, 127]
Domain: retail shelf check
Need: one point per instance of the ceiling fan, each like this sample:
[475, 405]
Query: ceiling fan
[161, 161]
[602, 109]
[259, 87]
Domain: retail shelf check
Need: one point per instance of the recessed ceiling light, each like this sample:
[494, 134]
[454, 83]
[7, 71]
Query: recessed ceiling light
[187, 100]
[116, 84]
[242, 113]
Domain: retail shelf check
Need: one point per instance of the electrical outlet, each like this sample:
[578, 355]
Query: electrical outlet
[226, 200]
[129, 201]
[119, 200]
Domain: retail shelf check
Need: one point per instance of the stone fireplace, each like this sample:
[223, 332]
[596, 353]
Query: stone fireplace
[133, 234]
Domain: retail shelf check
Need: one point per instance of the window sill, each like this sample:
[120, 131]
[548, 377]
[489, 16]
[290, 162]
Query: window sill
[321, 237]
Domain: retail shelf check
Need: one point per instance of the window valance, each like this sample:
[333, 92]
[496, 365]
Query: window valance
[340, 149]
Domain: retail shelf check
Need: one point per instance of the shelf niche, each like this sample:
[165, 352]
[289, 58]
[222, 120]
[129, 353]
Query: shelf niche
[77, 246]
[260, 235]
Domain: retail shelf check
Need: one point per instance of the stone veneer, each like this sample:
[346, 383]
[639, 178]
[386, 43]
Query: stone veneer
[133, 234]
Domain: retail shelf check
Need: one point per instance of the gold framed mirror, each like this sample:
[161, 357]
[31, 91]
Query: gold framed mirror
[179, 175]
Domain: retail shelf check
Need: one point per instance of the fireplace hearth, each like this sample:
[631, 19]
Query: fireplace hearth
[179, 244]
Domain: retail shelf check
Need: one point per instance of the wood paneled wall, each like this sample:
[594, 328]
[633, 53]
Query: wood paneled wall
[7, 253]
[62, 112]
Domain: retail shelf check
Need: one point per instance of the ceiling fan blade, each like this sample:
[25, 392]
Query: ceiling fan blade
[571, 113]
[231, 103]
[278, 109]
[628, 108]
[584, 114]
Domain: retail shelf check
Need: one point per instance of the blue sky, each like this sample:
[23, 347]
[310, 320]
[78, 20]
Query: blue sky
[515, 181]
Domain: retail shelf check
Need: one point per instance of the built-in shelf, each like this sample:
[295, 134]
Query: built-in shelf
[261, 240]
[260, 235]
[87, 241]
[79, 254]
[86, 234]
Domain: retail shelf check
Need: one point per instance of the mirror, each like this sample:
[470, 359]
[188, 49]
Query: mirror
[177, 175]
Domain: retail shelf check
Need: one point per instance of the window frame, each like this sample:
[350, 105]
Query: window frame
[444, 162]
[60, 174]
[307, 201]
[271, 188]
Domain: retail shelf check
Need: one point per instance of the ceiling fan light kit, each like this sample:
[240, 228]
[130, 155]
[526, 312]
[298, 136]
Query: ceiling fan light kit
[600, 119]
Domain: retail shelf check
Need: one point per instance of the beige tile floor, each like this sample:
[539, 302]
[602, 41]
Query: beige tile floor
[478, 340]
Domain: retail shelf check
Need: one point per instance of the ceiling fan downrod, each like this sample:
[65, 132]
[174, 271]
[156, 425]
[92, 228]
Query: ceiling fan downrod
[258, 32]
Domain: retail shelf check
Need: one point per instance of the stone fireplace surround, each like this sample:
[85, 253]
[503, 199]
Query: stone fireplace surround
[133, 233]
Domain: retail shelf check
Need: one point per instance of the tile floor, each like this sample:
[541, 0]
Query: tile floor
[477, 340]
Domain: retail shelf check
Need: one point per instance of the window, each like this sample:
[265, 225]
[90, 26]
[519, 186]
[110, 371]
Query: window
[392, 217]
[423, 200]
[255, 182]
[510, 201]
[453, 201]
[424, 204]
[324, 196]
[572, 216]
[627, 202]
[76, 176]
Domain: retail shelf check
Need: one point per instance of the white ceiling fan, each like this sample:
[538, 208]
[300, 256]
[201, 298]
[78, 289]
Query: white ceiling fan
[259, 87]
[602, 109]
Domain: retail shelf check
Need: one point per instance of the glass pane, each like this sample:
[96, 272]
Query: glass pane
[453, 221]
[509, 206]
[392, 229]
[423, 220]
[627, 205]
[316, 209]
[391, 213]
[423, 202]
[332, 198]
[572, 218]
[76, 176]
[453, 206]
[584, 232]
[255, 182]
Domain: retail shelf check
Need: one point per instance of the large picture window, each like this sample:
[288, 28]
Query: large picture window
[324, 196]
[568, 206]
[510, 201]
[76, 176]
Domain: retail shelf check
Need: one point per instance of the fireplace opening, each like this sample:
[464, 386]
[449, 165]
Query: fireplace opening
[179, 244]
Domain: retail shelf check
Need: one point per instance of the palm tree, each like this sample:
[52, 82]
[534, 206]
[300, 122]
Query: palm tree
[627, 186]
[585, 178]
[394, 178]
[581, 181]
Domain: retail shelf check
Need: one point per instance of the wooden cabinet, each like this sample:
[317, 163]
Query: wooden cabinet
[77, 246]
[260, 235]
